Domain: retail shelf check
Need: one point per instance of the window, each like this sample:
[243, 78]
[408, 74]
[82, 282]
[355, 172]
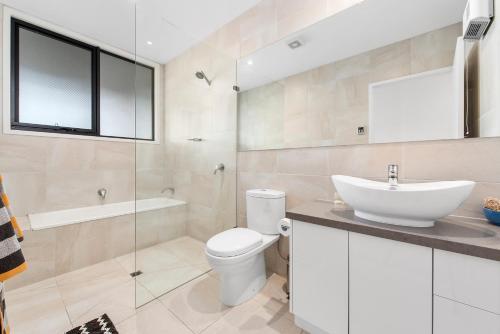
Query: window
[126, 98]
[62, 85]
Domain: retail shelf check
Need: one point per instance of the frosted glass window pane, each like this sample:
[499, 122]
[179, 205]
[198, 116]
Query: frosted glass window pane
[144, 102]
[55, 82]
[122, 98]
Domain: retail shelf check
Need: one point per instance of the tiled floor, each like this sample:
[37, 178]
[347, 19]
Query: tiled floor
[166, 266]
[58, 304]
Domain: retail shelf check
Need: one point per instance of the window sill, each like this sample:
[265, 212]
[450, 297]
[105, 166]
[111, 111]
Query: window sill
[8, 131]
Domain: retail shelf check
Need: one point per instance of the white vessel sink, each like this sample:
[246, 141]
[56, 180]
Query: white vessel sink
[414, 204]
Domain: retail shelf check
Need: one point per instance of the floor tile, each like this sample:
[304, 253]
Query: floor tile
[190, 250]
[152, 318]
[37, 308]
[254, 318]
[104, 286]
[119, 304]
[196, 304]
[268, 312]
[162, 281]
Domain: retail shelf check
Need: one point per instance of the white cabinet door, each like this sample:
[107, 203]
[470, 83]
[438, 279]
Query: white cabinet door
[390, 285]
[451, 317]
[470, 280]
[320, 278]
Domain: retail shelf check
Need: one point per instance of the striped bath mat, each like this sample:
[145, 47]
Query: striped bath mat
[101, 325]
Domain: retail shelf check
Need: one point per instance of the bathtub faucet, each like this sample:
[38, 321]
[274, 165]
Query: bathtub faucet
[102, 193]
[169, 189]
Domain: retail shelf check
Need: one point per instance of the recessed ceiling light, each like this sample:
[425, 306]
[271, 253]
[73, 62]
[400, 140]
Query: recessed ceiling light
[250, 62]
[149, 43]
[295, 44]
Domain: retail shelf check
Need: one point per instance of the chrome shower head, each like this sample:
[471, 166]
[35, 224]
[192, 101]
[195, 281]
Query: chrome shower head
[201, 75]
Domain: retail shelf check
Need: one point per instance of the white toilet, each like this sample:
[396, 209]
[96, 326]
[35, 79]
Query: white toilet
[237, 255]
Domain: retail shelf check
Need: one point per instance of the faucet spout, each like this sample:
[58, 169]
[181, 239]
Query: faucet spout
[219, 168]
[392, 174]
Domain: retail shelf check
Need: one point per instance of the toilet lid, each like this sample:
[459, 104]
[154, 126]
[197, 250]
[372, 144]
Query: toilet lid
[233, 242]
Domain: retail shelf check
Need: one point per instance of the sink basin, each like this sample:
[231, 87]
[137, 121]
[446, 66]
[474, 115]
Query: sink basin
[412, 204]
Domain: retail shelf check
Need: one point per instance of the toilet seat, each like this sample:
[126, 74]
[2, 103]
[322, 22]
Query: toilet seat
[234, 242]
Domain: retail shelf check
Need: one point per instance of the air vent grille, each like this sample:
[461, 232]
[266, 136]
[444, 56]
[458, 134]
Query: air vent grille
[476, 29]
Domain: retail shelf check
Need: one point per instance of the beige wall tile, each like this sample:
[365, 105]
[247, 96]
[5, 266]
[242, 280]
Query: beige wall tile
[435, 49]
[39, 250]
[365, 160]
[469, 159]
[303, 161]
[257, 161]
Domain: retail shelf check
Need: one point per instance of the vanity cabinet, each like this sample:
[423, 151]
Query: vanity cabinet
[390, 285]
[346, 282]
[319, 278]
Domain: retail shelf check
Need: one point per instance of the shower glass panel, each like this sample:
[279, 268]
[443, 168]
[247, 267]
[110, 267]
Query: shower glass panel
[181, 202]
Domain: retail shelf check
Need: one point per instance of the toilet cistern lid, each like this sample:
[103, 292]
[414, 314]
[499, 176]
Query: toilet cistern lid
[234, 242]
[265, 193]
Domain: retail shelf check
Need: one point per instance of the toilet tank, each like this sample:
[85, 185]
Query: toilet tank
[265, 208]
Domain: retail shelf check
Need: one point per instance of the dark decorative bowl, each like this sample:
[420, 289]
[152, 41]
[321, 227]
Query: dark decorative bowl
[492, 216]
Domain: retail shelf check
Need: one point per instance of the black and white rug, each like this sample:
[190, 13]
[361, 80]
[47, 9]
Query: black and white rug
[101, 325]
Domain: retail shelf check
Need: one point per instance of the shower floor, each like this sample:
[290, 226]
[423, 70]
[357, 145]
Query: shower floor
[106, 287]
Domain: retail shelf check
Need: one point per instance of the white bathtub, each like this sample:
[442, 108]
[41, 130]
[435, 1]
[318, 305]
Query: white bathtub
[40, 221]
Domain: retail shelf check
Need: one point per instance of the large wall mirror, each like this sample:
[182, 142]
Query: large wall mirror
[380, 71]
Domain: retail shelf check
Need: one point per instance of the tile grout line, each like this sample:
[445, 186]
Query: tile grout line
[64, 303]
[175, 316]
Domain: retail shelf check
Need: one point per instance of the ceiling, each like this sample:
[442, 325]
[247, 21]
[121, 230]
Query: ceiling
[366, 26]
[171, 26]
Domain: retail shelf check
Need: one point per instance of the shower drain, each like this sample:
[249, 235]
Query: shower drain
[136, 273]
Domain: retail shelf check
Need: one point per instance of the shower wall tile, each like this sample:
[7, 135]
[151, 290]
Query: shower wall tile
[26, 191]
[195, 110]
[22, 154]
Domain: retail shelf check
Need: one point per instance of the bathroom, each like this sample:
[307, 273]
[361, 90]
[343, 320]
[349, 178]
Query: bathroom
[202, 179]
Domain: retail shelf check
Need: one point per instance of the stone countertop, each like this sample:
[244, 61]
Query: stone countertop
[460, 235]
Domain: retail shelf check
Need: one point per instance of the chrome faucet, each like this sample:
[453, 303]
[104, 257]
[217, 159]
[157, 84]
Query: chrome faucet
[219, 168]
[102, 193]
[392, 174]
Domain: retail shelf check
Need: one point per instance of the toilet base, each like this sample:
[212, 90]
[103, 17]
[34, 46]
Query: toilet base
[241, 282]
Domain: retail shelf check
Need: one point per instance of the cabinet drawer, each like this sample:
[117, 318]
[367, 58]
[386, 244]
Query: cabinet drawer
[470, 280]
[452, 317]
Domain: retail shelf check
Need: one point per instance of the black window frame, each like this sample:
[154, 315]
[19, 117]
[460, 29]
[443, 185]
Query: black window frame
[15, 124]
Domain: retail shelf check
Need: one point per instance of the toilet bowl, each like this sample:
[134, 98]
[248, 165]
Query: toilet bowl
[237, 255]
